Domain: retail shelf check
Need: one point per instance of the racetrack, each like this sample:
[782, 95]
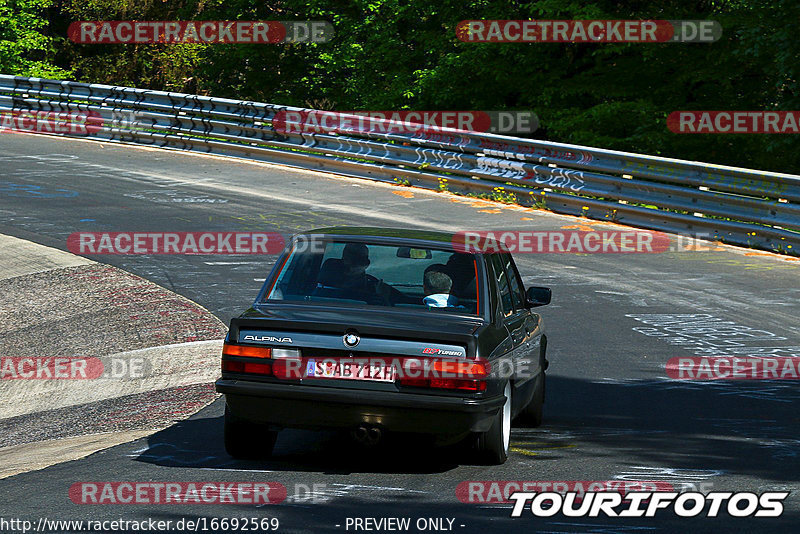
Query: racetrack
[611, 412]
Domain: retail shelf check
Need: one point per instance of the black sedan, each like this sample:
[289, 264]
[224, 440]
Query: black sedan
[384, 330]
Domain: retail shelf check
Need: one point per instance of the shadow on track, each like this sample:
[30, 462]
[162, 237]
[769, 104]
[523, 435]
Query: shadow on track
[198, 443]
[737, 428]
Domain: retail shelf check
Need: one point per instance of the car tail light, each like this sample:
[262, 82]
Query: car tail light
[256, 368]
[233, 367]
[249, 352]
[465, 375]
[287, 364]
[247, 367]
[478, 369]
[458, 383]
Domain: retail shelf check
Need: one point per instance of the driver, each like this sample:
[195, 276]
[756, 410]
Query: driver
[350, 275]
[355, 260]
[437, 290]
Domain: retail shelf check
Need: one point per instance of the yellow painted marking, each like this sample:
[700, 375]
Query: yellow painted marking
[581, 227]
[535, 452]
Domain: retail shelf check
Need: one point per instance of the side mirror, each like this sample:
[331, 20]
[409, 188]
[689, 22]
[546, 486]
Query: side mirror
[538, 296]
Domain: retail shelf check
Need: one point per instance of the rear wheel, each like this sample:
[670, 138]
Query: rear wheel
[492, 445]
[533, 414]
[247, 440]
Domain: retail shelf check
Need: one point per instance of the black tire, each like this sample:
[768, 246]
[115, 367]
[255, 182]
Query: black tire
[492, 446]
[247, 441]
[533, 414]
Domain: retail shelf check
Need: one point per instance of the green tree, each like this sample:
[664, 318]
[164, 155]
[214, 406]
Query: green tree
[26, 47]
[404, 54]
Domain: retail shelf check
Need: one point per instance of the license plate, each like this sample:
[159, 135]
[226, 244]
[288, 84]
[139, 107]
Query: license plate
[350, 370]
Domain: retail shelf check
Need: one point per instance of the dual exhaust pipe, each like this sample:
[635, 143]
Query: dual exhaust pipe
[367, 435]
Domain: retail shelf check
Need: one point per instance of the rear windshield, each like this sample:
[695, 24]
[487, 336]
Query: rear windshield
[378, 275]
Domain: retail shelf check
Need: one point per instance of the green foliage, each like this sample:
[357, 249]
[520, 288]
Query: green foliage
[26, 48]
[404, 54]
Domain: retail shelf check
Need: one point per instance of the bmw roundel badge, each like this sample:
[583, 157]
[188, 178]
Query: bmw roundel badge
[350, 339]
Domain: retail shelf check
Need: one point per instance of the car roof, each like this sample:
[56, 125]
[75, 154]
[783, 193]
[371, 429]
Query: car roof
[394, 235]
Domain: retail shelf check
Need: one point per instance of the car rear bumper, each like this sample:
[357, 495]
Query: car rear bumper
[302, 406]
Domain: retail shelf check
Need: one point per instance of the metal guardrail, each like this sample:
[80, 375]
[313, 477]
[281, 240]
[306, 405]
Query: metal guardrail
[733, 205]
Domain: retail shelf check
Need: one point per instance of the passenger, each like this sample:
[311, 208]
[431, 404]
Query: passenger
[437, 286]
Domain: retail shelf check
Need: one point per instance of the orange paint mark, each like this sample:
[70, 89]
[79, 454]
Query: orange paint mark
[770, 255]
[490, 211]
[528, 219]
[404, 194]
[700, 247]
[490, 204]
[475, 203]
[581, 227]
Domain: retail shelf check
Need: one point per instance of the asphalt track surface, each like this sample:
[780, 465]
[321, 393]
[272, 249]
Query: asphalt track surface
[611, 412]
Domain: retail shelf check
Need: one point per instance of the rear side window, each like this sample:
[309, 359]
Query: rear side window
[502, 284]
